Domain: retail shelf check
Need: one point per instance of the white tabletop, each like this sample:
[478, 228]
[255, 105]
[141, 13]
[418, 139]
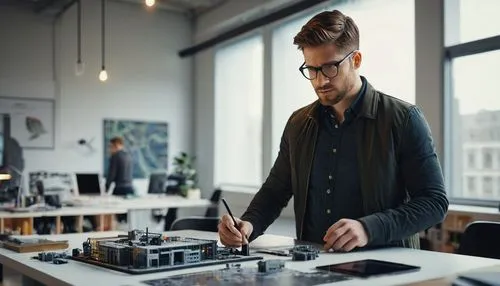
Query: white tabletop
[143, 202]
[473, 209]
[64, 211]
[434, 264]
[153, 202]
[115, 206]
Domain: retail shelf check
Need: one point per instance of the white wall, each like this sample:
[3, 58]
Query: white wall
[147, 79]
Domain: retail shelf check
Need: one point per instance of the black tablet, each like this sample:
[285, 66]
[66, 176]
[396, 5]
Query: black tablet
[369, 267]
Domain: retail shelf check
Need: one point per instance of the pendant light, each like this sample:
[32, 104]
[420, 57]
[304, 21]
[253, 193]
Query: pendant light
[80, 66]
[150, 3]
[103, 75]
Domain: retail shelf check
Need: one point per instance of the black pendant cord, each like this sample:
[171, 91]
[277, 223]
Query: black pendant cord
[79, 32]
[103, 11]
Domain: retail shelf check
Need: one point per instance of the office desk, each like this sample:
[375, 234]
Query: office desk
[136, 204]
[434, 264]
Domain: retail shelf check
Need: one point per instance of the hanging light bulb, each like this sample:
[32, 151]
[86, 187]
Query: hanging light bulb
[150, 3]
[103, 75]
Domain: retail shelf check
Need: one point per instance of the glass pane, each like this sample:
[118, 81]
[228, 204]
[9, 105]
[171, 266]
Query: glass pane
[290, 89]
[475, 127]
[238, 113]
[381, 65]
[470, 20]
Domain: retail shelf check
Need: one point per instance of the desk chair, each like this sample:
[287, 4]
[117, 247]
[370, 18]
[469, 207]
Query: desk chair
[213, 210]
[481, 239]
[196, 223]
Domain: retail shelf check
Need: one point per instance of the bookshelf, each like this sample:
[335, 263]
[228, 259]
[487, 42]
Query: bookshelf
[446, 236]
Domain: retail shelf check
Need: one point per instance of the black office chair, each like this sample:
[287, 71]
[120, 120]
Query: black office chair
[213, 210]
[196, 223]
[481, 239]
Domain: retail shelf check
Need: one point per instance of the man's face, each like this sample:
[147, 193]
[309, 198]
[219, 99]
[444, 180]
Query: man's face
[331, 90]
[112, 148]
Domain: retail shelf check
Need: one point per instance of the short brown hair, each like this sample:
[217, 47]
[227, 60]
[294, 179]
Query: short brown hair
[117, 140]
[329, 27]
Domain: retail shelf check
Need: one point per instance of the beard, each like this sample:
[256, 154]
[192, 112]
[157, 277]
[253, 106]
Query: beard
[330, 95]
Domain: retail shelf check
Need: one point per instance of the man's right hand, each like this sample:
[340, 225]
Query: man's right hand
[232, 237]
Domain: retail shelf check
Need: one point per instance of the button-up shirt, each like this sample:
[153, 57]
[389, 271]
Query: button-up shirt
[334, 187]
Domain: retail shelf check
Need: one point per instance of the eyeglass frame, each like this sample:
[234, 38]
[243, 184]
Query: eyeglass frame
[320, 68]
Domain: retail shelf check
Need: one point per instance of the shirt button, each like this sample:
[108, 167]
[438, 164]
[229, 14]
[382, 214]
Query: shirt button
[336, 126]
[328, 211]
[334, 150]
[330, 177]
[328, 191]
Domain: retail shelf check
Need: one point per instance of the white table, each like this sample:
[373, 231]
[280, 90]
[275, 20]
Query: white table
[137, 204]
[130, 206]
[434, 264]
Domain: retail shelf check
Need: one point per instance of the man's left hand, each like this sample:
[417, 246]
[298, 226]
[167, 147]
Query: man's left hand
[345, 235]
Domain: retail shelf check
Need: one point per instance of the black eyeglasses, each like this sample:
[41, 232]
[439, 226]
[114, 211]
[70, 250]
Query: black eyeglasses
[329, 70]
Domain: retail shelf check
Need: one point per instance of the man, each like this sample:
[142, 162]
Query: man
[360, 164]
[120, 168]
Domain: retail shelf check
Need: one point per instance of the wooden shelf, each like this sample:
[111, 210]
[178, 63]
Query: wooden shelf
[25, 225]
[445, 237]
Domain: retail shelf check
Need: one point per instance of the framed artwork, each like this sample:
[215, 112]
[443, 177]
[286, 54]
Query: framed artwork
[147, 142]
[32, 121]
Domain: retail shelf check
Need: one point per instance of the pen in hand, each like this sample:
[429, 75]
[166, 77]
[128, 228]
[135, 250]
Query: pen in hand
[232, 217]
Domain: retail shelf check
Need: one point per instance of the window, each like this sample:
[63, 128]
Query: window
[498, 187]
[238, 113]
[382, 63]
[470, 20]
[487, 158]
[289, 88]
[488, 186]
[471, 185]
[471, 160]
[472, 113]
[498, 159]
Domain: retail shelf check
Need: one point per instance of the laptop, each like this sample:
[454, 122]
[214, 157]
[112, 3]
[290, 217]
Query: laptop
[89, 185]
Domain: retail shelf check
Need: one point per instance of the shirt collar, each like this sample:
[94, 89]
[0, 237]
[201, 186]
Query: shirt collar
[356, 105]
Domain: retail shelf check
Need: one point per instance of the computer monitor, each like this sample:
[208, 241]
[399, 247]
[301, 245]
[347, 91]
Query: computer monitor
[89, 184]
[157, 183]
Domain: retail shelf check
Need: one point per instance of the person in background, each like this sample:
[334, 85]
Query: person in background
[120, 168]
[360, 164]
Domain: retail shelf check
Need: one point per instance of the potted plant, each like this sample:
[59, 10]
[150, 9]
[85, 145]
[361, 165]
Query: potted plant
[184, 167]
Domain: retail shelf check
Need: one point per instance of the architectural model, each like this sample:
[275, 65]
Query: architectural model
[144, 252]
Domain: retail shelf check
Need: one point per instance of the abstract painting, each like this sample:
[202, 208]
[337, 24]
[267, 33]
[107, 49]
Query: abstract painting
[147, 142]
[32, 121]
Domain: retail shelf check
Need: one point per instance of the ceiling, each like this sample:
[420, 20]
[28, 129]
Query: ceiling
[192, 7]
[49, 8]
[55, 7]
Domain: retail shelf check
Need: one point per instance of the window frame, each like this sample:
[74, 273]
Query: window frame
[451, 53]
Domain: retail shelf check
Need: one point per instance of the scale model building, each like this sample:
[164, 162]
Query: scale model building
[144, 250]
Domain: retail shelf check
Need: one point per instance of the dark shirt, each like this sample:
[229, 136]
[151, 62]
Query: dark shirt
[334, 186]
[120, 170]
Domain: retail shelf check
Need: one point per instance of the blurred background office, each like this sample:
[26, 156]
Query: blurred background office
[189, 84]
